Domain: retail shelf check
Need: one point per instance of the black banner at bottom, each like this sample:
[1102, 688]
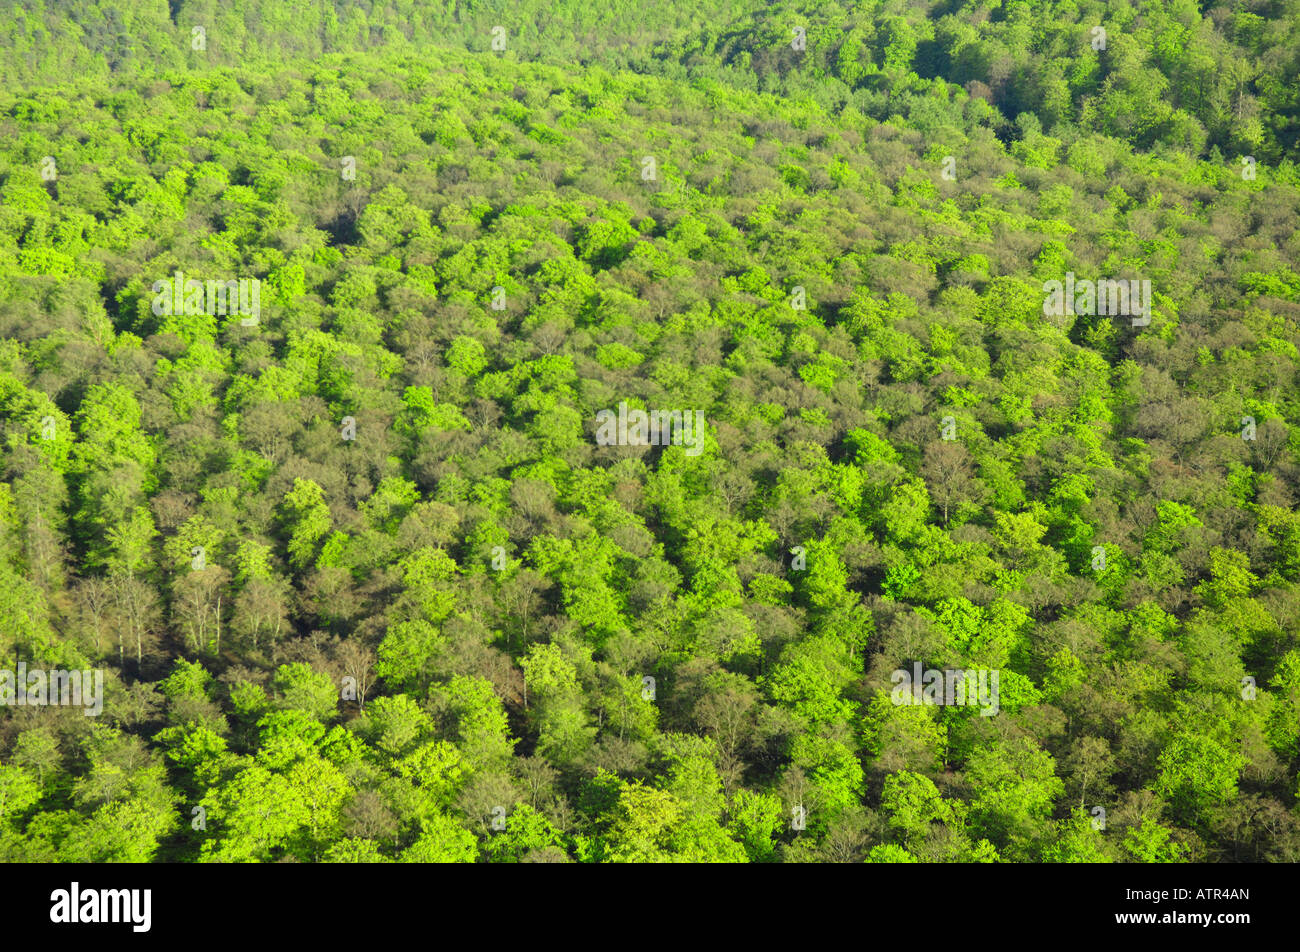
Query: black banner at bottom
[330, 901]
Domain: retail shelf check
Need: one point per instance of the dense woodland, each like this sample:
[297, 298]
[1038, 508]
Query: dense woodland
[427, 603]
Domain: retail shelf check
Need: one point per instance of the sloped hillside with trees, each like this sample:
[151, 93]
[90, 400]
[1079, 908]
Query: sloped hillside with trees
[364, 584]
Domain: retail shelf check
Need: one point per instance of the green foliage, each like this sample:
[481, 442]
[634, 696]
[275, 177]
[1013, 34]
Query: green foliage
[360, 576]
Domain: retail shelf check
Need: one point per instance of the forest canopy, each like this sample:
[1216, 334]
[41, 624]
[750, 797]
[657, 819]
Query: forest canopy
[308, 320]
